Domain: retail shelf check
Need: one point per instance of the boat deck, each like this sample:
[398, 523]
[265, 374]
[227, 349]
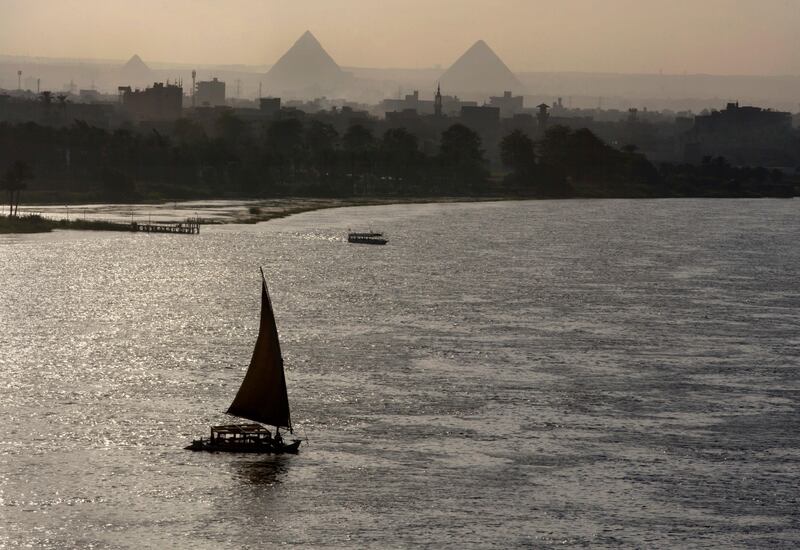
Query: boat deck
[243, 438]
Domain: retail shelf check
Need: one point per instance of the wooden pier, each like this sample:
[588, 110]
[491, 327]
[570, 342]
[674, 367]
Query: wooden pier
[189, 227]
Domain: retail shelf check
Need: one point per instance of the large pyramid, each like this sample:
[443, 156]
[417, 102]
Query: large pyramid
[305, 67]
[135, 73]
[479, 70]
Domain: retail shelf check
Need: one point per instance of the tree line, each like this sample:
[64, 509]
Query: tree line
[284, 157]
[576, 163]
[290, 156]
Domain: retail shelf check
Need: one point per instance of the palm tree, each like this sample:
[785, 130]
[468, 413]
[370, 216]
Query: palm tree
[359, 144]
[400, 156]
[285, 144]
[516, 152]
[14, 182]
[461, 157]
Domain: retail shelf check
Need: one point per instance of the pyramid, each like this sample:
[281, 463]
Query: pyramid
[135, 64]
[480, 70]
[135, 72]
[306, 66]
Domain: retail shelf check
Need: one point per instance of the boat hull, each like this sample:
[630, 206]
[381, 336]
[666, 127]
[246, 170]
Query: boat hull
[367, 241]
[257, 448]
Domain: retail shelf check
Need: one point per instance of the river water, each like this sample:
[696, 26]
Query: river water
[520, 374]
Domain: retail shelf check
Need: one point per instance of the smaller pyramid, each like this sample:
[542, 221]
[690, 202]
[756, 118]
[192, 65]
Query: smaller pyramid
[305, 66]
[480, 70]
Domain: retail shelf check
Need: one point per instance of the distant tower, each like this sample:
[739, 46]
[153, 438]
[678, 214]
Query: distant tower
[437, 104]
[38, 85]
[19, 80]
[194, 85]
[238, 88]
[542, 116]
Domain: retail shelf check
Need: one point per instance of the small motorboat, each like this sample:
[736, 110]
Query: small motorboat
[366, 238]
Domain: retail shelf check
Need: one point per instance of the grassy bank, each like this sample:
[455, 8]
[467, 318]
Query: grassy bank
[33, 223]
[24, 224]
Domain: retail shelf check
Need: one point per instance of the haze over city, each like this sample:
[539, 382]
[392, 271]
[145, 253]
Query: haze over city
[723, 37]
[473, 274]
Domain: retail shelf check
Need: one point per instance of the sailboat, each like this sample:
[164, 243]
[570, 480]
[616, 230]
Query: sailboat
[262, 398]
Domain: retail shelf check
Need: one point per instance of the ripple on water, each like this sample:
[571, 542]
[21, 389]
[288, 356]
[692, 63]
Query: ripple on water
[577, 373]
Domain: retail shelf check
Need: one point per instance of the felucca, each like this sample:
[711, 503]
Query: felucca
[262, 398]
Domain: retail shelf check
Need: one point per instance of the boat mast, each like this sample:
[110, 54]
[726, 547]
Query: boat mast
[269, 299]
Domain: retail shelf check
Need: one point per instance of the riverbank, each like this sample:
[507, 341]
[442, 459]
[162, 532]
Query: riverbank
[120, 217]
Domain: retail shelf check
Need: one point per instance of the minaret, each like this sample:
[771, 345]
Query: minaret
[194, 86]
[437, 104]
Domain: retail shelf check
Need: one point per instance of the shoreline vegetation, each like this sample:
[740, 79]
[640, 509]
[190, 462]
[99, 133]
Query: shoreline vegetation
[35, 223]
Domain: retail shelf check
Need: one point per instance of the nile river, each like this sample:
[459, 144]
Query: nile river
[501, 375]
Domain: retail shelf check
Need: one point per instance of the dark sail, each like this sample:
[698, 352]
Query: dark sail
[263, 396]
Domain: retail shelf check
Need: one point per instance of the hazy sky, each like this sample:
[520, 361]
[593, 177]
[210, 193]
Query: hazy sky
[696, 36]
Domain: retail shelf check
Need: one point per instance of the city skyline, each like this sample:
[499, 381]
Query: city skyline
[621, 36]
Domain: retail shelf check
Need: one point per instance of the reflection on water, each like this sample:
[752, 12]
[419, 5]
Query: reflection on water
[264, 471]
[538, 374]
